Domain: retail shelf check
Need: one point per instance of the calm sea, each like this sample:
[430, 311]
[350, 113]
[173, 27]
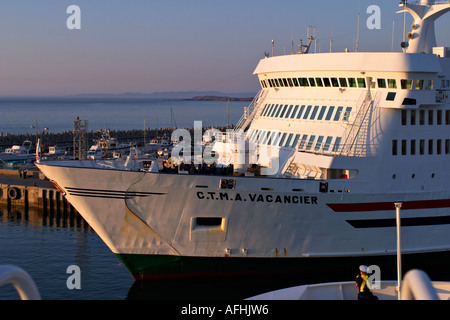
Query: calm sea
[18, 115]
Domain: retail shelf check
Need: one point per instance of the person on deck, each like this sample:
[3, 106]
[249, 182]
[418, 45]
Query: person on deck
[364, 285]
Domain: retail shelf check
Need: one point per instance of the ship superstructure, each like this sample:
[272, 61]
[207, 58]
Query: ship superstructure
[327, 147]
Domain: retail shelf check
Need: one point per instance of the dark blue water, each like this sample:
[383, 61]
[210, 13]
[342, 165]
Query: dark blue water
[17, 115]
[44, 245]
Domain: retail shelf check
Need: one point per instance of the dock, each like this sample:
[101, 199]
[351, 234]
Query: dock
[30, 189]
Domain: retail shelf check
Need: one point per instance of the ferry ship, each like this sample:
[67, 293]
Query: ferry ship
[330, 143]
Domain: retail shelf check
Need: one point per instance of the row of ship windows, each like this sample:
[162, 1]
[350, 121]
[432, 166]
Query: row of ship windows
[420, 147]
[291, 140]
[306, 112]
[421, 117]
[405, 84]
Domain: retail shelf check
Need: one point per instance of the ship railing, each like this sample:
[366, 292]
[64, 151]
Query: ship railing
[354, 139]
[334, 150]
[20, 280]
[251, 111]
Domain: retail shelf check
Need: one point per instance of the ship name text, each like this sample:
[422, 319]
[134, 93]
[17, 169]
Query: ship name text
[255, 197]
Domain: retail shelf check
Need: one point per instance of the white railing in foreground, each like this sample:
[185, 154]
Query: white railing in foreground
[417, 286]
[21, 281]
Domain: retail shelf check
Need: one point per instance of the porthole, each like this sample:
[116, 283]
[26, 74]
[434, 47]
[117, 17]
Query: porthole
[394, 176]
[413, 176]
[432, 176]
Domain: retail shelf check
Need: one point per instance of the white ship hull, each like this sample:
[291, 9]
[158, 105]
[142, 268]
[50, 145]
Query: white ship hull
[154, 214]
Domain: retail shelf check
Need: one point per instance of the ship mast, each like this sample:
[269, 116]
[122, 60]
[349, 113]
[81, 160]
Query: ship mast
[422, 37]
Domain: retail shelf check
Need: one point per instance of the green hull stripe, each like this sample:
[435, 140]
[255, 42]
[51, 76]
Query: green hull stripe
[144, 267]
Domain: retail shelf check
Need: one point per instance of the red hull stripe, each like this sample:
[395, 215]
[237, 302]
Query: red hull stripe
[386, 206]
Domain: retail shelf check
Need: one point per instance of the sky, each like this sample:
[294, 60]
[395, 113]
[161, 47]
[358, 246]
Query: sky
[151, 46]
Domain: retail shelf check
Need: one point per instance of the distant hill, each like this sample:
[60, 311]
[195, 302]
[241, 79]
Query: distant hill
[182, 95]
[217, 98]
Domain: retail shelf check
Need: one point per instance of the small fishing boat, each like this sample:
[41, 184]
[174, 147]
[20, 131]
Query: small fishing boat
[18, 153]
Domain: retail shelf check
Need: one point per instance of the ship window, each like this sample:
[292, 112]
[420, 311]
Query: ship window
[288, 113]
[308, 110]
[278, 111]
[409, 102]
[289, 140]
[272, 111]
[290, 82]
[208, 222]
[413, 147]
[326, 82]
[361, 82]
[419, 85]
[294, 144]
[285, 83]
[276, 82]
[413, 117]
[347, 113]
[304, 82]
[334, 82]
[328, 143]
[319, 82]
[337, 144]
[430, 117]
[447, 146]
[391, 96]
[338, 114]
[352, 82]
[447, 117]
[438, 117]
[329, 114]
[295, 82]
[394, 147]
[282, 139]
[430, 146]
[275, 137]
[283, 111]
[404, 117]
[303, 142]
[421, 117]
[314, 113]
[381, 83]
[392, 84]
[263, 137]
[265, 110]
[269, 136]
[406, 84]
[312, 82]
[343, 82]
[422, 146]
[429, 85]
[321, 113]
[300, 112]
[438, 146]
[252, 136]
[311, 142]
[404, 147]
[319, 143]
[294, 112]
